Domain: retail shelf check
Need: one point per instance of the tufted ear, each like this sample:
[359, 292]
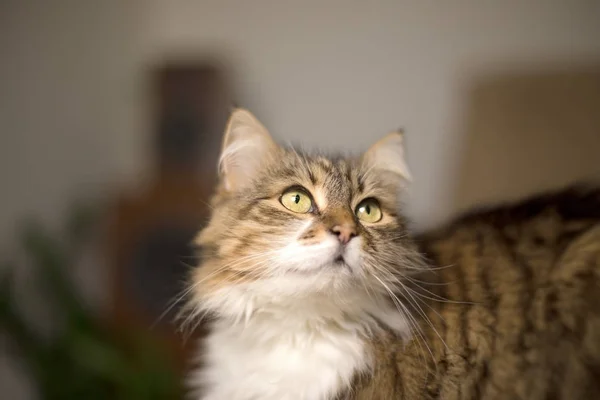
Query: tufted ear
[247, 146]
[388, 154]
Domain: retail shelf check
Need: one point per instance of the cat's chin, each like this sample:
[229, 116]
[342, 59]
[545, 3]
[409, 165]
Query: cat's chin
[335, 266]
[331, 276]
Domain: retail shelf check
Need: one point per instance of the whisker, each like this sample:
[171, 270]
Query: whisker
[416, 281]
[420, 310]
[407, 313]
[439, 298]
[186, 291]
[196, 310]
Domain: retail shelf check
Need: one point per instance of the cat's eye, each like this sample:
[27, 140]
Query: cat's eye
[296, 200]
[368, 210]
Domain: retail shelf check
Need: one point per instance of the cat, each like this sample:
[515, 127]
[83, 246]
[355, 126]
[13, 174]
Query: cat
[317, 290]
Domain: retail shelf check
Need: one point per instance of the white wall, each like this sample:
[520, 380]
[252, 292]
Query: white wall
[334, 74]
[66, 85]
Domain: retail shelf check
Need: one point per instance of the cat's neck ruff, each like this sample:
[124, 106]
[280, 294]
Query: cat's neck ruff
[268, 344]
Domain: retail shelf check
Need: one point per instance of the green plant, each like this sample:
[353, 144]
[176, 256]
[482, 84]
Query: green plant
[82, 359]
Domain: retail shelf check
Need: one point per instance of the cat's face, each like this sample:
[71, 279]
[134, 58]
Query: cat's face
[293, 223]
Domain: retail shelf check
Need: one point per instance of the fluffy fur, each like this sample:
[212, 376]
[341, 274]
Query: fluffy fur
[507, 309]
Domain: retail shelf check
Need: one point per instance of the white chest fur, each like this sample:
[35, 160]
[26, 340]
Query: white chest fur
[282, 362]
[267, 346]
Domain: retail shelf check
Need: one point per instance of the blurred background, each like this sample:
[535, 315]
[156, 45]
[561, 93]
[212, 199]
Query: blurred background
[110, 120]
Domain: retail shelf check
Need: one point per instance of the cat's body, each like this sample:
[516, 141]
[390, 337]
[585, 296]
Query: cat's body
[516, 304]
[318, 293]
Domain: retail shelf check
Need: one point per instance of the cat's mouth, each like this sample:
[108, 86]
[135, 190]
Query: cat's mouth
[339, 262]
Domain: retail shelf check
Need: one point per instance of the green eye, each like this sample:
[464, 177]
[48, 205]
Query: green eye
[368, 210]
[296, 200]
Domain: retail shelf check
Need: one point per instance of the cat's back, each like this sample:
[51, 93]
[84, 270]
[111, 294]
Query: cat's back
[514, 306]
[529, 275]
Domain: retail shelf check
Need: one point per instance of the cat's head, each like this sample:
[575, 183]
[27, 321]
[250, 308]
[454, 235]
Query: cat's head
[287, 226]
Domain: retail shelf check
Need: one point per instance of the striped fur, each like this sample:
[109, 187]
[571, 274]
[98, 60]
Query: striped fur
[514, 306]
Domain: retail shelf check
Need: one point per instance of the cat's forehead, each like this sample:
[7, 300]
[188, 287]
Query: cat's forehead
[321, 169]
[338, 179]
[335, 178]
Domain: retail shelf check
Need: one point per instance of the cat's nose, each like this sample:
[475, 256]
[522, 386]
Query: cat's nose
[344, 232]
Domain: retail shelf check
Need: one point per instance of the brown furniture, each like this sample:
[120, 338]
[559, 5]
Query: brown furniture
[153, 225]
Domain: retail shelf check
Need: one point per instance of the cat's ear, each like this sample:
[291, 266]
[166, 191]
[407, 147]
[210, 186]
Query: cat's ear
[247, 145]
[388, 154]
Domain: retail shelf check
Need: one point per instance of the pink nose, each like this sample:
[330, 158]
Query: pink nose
[344, 232]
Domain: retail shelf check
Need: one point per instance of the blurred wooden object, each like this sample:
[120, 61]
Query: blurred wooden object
[529, 132]
[152, 228]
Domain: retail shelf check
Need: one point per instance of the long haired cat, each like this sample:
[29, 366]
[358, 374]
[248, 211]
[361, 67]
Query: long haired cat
[317, 291]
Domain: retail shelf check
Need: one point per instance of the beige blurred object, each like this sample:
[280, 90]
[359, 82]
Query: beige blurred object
[529, 132]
